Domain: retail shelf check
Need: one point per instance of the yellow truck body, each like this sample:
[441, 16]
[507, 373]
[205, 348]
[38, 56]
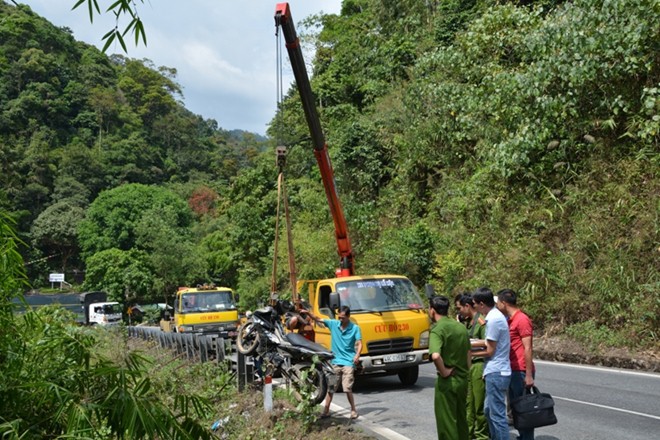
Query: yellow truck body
[393, 321]
[203, 309]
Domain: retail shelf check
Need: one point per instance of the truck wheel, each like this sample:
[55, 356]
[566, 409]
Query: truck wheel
[408, 376]
[247, 339]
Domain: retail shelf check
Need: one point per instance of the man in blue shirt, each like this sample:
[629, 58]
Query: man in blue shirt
[497, 368]
[346, 345]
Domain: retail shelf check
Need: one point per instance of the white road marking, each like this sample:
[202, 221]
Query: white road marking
[650, 416]
[603, 369]
[386, 433]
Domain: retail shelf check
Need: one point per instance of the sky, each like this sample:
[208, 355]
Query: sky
[224, 51]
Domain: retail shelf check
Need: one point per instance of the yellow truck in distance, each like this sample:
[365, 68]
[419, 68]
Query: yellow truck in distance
[205, 309]
[392, 318]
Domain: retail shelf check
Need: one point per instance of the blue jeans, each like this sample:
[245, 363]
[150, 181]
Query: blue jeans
[495, 406]
[517, 388]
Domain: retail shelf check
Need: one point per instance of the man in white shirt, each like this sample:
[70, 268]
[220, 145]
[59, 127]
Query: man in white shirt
[497, 369]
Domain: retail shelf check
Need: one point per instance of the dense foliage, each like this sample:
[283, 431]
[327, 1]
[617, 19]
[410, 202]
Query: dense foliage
[504, 144]
[59, 380]
[474, 142]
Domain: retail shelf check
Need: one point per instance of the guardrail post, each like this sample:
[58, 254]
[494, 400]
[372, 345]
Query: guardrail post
[220, 349]
[241, 373]
[188, 342]
[203, 348]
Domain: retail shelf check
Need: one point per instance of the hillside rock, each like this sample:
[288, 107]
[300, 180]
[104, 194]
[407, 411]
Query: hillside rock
[560, 349]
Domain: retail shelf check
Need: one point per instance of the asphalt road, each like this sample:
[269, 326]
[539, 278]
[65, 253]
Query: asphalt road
[590, 403]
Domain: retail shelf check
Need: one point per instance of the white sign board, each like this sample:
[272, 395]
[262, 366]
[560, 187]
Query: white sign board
[56, 277]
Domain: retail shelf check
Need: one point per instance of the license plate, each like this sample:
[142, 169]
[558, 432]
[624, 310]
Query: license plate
[394, 358]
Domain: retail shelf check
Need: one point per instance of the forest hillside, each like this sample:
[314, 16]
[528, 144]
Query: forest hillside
[508, 144]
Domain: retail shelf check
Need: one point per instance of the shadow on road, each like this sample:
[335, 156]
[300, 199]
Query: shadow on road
[377, 384]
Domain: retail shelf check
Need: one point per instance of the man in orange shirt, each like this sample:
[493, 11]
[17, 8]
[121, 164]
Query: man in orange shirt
[521, 354]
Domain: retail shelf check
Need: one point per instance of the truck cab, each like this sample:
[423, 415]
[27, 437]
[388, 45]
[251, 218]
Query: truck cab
[393, 321]
[205, 309]
[105, 313]
[97, 310]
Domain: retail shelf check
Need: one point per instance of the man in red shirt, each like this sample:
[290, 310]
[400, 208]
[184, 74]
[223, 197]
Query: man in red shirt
[521, 354]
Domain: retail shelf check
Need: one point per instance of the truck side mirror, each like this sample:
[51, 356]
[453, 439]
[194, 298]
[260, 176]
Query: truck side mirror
[430, 292]
[334, 301]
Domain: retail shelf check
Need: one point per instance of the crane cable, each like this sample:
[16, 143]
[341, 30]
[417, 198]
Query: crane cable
[281, 187]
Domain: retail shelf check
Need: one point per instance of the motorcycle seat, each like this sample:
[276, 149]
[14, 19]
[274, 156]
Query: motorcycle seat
[264, 312]
[300, 340]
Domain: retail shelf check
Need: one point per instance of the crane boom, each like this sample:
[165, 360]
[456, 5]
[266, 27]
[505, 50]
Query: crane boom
[284, 20]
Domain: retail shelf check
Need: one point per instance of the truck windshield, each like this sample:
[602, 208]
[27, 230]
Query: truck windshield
[111, 309]
[207, 301]
[379, 295]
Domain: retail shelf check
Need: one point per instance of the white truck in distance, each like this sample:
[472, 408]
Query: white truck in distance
[97, 310]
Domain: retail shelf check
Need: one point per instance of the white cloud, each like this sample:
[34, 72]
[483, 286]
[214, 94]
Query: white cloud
[207, 63]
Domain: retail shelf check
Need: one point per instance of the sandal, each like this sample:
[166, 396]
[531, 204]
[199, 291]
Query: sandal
[354, 415]
[324, 415]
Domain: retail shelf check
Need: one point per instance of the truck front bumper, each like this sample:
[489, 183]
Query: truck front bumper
[227, 331]
[225, 334]
[394, 361]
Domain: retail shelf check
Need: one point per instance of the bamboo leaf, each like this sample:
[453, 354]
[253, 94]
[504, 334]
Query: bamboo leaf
[110, 36]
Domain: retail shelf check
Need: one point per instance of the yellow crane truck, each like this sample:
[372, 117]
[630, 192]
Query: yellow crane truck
[205, 309]
[394, 323]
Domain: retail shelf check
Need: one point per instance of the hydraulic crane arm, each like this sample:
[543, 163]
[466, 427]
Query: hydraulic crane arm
[284, 20]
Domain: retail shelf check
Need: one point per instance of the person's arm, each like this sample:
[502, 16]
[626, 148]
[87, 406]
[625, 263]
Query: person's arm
[440, 367]
[358, 350]
[478, 343]
[529, 365]
[435, 346]
[489, 351]
[315, 318]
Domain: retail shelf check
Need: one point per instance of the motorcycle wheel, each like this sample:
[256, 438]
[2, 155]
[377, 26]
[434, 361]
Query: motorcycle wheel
[247, 339]
[309, 383]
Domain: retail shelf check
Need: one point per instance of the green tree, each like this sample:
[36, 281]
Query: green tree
[127, 276]
[112, 219]
[222, 266]
[55, 231]
[71, 190]
[150, 92]
[406, 250]
[176, 260]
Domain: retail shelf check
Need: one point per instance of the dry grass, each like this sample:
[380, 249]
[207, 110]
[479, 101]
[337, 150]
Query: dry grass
[248, 420]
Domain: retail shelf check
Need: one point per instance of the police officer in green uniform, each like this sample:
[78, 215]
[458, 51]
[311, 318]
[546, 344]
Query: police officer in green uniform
[476, 326]
[449, 348]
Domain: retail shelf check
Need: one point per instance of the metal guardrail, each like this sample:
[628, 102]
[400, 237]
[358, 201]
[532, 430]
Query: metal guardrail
[201, 348]
[194, 346]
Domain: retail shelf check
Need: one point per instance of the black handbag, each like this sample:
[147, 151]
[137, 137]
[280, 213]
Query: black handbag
[533, 409]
